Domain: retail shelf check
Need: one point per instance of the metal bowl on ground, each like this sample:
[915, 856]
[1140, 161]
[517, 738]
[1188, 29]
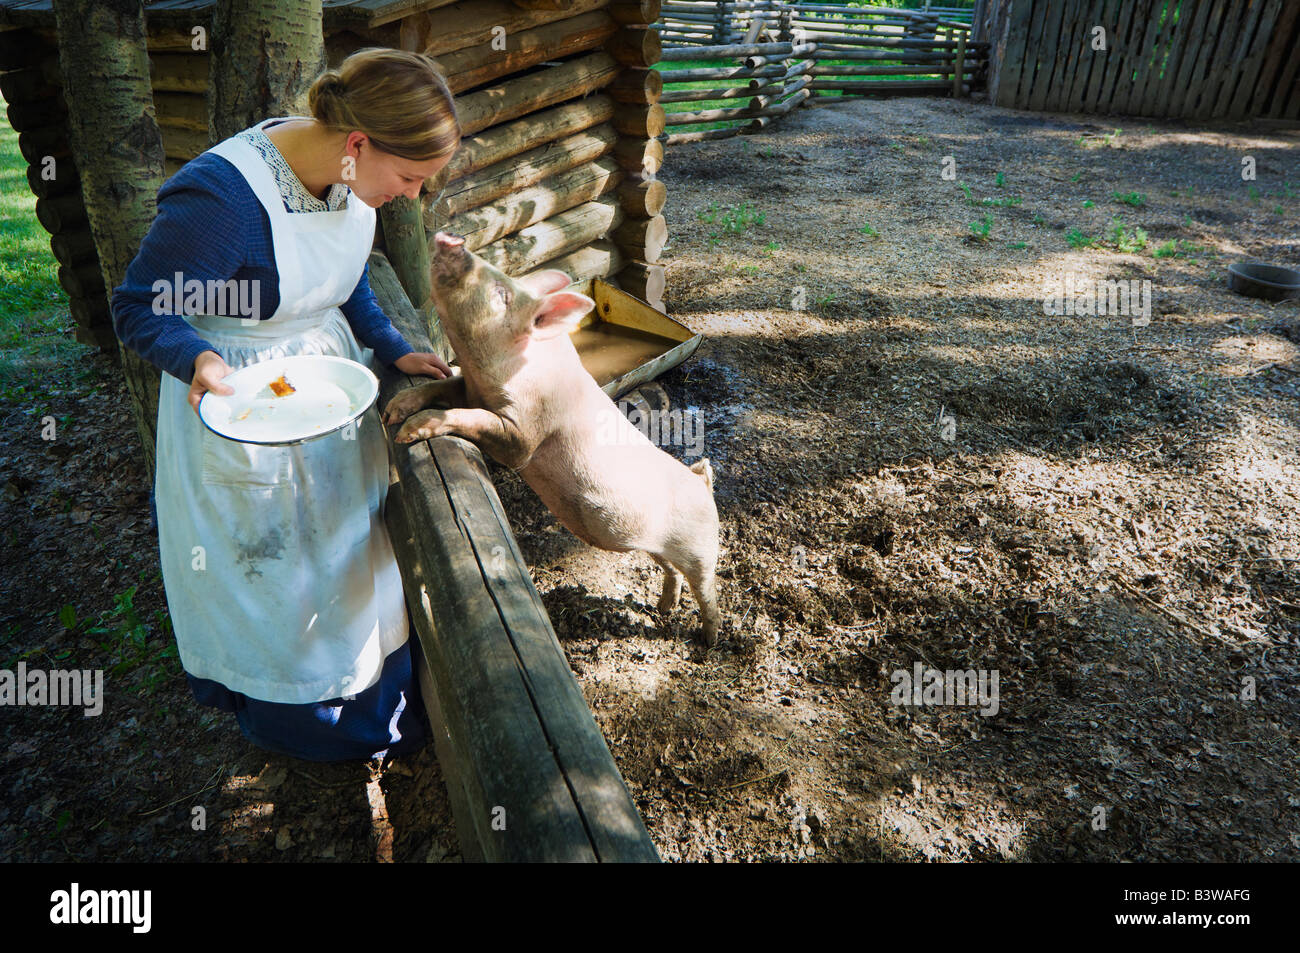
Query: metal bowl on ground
[1258, 280]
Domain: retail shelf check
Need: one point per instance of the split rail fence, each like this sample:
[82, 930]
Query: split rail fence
[770, 56]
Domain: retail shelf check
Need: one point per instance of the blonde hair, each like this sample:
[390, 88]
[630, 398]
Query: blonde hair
[399, 99]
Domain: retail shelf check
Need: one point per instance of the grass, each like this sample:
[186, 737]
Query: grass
[1078, 239]
[1126, 239]
[1136, 199]
[734, 220]
[1180, 248]
[127, 640]
[980, 230]
[35, 325]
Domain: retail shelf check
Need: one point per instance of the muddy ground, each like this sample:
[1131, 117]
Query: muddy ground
[914, 464]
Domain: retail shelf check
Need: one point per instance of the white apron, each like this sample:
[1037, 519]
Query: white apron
[295, 595]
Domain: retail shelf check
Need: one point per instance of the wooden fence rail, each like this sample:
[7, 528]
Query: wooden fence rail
[810, 49]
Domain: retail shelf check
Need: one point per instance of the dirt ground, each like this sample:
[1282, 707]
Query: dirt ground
[915, 465]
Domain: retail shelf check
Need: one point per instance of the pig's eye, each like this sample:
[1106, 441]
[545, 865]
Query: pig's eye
[502, 294]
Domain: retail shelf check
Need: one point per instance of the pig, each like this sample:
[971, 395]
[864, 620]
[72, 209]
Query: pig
[524, 397]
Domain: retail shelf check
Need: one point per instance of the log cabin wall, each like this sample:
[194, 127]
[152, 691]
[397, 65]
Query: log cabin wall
[33, 89]
[557, 169]
[560, 117]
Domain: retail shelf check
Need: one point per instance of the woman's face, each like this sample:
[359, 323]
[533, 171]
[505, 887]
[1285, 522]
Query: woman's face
[381, 175]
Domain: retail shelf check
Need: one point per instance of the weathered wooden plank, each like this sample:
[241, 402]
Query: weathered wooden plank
[1117, 58]
[1286, 98]
[1083, 55]
[1065, 56]
[1280, 51]
[533, 778]
[1168, 52]
[1187, 86]
[613, 824]
[1014, 63]
[1187, 11]
[450, 757]
[378, 12]
[1221, 64]
[1232, 61]
[1148, 54]
[1254, 60]
[1236, 68]
[1203, 91]
[1130, 41]
[1048, 54]
[1091, 15]
[1103, 60]
[504, 756]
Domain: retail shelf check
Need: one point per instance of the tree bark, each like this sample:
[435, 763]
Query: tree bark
[265, 55]
[118, 150]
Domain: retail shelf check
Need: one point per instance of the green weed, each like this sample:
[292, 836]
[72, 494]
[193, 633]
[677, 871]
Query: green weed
[1078, 239]
[1126, 239]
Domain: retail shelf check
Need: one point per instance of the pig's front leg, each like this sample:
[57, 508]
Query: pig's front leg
[448, 392]
[502, 441]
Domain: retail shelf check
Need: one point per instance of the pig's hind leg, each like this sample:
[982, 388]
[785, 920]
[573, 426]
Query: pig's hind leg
[672, 584]
[699, 570]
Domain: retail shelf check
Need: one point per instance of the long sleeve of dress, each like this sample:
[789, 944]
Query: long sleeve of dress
[200, 232]
[370, 325]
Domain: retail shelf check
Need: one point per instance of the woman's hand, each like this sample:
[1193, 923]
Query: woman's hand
[209, 368]
[422, 364]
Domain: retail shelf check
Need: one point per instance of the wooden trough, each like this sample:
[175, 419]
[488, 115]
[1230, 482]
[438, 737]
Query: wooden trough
[623, 342]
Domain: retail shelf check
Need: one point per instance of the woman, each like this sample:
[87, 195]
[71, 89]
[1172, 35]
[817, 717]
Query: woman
[283, 591]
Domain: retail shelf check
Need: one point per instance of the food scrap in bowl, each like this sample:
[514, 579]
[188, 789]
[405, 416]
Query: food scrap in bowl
[281, 387]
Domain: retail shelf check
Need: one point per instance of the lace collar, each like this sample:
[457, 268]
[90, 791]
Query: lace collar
[295, 194]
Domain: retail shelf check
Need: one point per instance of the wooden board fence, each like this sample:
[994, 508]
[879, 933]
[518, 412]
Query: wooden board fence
[1198, 59]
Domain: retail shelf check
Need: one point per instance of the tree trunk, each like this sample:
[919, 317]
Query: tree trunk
[265, 55]
[118, 150]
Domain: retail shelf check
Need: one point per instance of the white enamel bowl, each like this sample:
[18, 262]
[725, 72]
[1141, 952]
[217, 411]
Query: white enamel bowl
[329, 393]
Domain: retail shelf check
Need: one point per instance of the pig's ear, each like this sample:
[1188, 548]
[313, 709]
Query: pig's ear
[559, 313]
[542, 283]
